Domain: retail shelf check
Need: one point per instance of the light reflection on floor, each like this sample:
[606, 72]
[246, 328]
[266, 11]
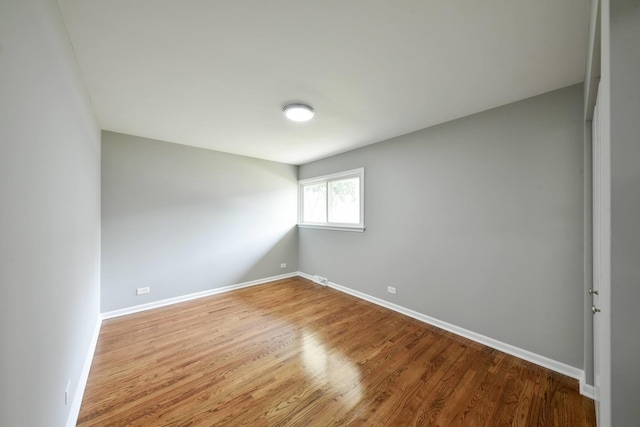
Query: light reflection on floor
[331, 370]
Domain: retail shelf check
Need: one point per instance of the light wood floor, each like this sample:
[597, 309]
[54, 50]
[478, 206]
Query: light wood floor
[292, 353]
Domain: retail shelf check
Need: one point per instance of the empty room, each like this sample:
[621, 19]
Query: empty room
[295, 213]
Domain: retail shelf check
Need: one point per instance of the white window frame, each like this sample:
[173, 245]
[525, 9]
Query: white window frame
[354, 173]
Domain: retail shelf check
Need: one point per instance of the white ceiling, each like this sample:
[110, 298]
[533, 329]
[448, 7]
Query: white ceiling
[216, 73]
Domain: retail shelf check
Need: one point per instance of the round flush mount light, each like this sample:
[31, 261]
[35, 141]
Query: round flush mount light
[298, 112]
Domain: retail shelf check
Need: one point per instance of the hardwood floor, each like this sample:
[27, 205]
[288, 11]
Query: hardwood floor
[292, 353]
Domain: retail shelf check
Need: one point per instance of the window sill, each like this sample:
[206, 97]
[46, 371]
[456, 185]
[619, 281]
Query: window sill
[357, 228]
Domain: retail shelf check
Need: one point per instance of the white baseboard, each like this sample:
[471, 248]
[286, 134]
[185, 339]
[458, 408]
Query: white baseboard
[76, 402]
[586, 389]
[189, 297]
[527, 355]
[316, 279]
[305, 275]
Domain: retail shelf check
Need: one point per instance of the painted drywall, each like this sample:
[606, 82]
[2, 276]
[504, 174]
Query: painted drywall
[625, 210]
[181, 220]
[477, 222]
[49, 216]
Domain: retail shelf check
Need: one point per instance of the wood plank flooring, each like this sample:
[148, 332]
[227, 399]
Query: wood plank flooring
[292, 353]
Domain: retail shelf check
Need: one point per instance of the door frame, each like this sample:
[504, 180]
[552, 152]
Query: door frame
[601, 167]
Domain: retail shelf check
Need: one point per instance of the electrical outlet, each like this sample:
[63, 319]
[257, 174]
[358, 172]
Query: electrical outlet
[283, 265]
[391, 290]
[142, 291]
[66, 393]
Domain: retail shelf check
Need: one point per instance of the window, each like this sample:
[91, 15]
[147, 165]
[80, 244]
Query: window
[334, 202]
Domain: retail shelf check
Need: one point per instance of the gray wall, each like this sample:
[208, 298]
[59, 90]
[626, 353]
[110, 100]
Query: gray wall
[182, 220]
[49, 216]
[477, 222]
[625, 211]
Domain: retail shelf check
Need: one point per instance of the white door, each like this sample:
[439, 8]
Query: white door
[601, 291]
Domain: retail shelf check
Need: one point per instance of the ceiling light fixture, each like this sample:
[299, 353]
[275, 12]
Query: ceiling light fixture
[298, 112]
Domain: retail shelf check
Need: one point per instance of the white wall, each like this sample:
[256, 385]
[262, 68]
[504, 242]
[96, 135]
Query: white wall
[49, 216]
[182, 220]
[477, 222]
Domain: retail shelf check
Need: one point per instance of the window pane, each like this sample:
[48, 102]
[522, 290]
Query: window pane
[314, 197]
[344, 201]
